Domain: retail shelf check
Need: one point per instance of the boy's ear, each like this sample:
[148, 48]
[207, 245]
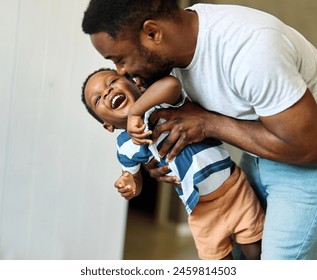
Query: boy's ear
[109, 127]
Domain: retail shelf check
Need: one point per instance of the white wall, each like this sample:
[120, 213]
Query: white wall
[57, 165]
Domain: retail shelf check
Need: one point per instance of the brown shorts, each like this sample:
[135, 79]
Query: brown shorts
[232, 211]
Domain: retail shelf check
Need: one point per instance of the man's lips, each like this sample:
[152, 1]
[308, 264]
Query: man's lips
[117, 100]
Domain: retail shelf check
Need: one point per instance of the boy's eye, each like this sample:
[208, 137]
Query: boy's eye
[112, 82]
[97, 99]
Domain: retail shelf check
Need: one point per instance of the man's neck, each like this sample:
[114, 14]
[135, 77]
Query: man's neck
[188, 33]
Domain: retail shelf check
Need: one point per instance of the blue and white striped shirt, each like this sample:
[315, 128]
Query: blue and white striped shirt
[202, 167]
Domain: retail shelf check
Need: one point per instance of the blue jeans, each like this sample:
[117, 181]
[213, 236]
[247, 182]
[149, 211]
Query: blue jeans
[289, 194]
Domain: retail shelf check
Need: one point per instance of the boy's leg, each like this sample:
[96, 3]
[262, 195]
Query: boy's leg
[229, 257]
[251, 251]
[233, 209]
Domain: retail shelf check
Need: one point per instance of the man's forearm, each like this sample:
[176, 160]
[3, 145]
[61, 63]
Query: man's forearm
[254, 137]
[289, 136]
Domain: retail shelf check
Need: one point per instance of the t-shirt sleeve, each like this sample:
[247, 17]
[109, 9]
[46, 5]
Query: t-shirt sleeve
[264, 71]
[130, 155]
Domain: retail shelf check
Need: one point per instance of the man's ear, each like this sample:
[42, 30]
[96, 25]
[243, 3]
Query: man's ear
[109, 127]
[152, 31]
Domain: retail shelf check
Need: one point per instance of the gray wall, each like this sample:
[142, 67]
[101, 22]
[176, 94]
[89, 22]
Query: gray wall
[57, 165]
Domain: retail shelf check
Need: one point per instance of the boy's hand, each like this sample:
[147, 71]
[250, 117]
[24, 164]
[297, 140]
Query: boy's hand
[136, 128]
[126, 186]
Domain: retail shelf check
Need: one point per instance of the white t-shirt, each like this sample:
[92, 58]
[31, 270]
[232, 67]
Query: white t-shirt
[247, 63]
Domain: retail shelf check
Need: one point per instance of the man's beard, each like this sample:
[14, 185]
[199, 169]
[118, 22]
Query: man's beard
[160, 67]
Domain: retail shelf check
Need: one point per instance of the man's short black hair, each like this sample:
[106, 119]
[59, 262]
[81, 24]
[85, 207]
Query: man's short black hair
[83, 99]
[125, 17]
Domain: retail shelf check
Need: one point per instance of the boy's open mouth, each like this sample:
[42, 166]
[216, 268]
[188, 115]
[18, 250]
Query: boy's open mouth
[117, 100]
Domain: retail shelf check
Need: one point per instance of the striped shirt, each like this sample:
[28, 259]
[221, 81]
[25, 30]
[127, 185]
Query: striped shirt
[202, 167]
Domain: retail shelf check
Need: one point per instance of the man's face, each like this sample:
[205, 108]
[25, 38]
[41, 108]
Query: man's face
[110, 96]
[132, 58]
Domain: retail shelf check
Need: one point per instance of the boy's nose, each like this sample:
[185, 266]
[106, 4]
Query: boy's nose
[107, 91]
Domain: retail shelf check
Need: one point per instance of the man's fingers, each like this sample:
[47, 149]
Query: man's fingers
[168, 179]
[158, 171]
[159, 129]
[174, 143]
[151, 164]
[177, 148]
[156, 115]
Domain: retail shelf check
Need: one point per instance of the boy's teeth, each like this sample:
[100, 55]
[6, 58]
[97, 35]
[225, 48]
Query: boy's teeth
[114, 99]
[117, 100]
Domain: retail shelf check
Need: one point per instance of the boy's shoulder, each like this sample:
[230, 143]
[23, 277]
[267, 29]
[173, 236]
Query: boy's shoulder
[122, 138]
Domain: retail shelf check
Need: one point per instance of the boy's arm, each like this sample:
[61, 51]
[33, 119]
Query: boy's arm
[129, 185]
[165, 90]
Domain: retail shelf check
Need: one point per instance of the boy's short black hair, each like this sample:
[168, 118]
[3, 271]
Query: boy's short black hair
[83, 99]
[113, 17]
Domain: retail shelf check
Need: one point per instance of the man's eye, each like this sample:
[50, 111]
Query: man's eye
[117, 61]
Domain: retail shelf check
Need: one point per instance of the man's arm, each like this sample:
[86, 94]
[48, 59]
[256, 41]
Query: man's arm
[290, 136]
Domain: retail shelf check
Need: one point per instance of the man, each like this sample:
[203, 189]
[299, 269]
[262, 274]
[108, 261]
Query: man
[256, 80]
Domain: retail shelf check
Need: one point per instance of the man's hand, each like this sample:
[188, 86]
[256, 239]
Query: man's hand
[288, 136]
[185, 124]
[159, 172]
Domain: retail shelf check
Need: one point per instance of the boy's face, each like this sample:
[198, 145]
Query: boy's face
[110, 96]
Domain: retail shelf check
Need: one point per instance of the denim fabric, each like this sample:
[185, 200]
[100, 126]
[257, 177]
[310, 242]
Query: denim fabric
[289, 194]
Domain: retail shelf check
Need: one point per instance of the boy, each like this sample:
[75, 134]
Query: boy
[217, 197]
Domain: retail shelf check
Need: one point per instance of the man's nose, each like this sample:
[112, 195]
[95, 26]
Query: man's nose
[121, 70]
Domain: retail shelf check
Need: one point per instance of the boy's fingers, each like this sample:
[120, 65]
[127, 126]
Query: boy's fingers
[142, 141]
[125, 189]
[137, 130]
[128, 195]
